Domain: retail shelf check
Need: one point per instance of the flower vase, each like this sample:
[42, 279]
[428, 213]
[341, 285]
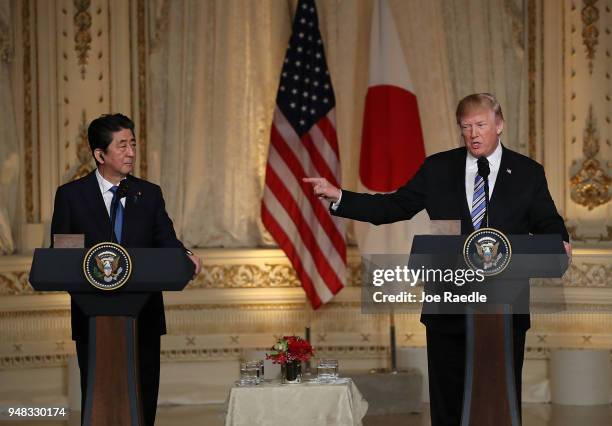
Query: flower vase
[292, 372]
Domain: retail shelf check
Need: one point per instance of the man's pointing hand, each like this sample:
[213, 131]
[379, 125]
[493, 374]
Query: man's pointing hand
[323, 189]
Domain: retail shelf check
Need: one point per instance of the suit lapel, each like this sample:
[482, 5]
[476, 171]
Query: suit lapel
[130, 214]
[503, 184]
[95, 203]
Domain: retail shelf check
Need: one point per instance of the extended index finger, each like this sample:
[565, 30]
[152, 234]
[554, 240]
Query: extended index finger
[312, 179]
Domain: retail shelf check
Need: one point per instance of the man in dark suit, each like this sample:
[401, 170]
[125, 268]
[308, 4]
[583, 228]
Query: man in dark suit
[83, 207]
[444, 186]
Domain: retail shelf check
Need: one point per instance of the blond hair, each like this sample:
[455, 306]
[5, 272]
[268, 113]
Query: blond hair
[478, 100]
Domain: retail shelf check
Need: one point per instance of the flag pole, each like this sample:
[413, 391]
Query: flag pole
[307, 366]
[392, 341]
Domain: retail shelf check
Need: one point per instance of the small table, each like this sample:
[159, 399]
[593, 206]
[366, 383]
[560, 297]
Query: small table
[307, 404]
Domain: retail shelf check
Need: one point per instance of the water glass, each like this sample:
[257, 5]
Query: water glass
[249, 373]
[327, 370]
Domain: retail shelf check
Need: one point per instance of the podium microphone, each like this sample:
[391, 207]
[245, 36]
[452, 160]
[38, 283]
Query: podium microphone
[122, 192]
[484, 171]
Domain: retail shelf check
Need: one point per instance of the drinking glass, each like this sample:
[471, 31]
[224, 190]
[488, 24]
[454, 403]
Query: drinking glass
[249, 373]
[327, 370]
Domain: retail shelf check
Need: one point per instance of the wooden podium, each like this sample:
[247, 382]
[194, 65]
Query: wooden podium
[490, 395]
[113, 385]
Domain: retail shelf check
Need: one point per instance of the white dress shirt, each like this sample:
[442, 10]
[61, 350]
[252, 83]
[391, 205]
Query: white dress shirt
[107, 195]
[471, 170]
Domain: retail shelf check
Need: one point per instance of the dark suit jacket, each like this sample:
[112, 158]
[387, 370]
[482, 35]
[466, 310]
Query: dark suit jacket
[520, 204]
[79, 209]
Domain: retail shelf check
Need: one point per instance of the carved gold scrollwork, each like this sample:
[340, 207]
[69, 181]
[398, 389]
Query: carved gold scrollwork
[258, 276]
[590, 185]
[15, 283]
[211, 276]
[575, 236]
[86, 163]
[531, 73]
[6, 45]
[27, 113]
[82, 35]
[590, 33]
[142, 53]
[591, 275]
[245, 276]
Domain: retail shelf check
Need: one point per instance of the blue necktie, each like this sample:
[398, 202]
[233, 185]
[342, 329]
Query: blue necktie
[118, 213]
[478, 202]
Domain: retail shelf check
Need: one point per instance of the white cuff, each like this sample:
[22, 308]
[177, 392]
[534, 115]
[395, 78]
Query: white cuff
[335, 205]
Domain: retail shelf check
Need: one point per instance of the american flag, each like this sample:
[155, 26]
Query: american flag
[303, 143]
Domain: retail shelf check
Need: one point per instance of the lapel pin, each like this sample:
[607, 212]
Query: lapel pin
[509, 171]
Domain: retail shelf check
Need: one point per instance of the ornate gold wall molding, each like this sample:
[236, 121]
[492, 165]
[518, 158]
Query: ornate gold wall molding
[278, 274]
[537, 353]
[532, 15]
[242, 307]
[590, 185]
[259, 276]
[35, 314]
[590, 32]
[353, 338]
[86, 163]
[15, 283]
[576, 236]
[27, 111]
[587, 274]
[250, 276]
[207, 354]
[142, 53]
[193, 354]
[29, 361]
[82, 35]
[6, 43]
[226, 354]
[352, 351]
[590, 275]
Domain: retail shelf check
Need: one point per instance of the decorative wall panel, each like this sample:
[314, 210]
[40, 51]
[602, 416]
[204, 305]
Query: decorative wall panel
[75, 64]
[587, 120]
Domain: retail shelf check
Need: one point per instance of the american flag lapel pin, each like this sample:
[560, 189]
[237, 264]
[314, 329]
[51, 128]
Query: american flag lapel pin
[509, 171]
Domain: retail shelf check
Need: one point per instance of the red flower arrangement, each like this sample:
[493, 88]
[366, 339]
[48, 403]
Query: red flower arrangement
[290, 348]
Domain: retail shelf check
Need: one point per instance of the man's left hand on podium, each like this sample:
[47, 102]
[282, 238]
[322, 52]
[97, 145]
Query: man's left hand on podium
[196, 261]
[568, 250]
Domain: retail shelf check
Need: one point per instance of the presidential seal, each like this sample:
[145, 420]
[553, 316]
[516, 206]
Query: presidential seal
[107, 266]
[489, 250]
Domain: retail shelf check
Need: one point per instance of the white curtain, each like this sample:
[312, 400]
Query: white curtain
[485, 47]
[213, 82]
[214, 69]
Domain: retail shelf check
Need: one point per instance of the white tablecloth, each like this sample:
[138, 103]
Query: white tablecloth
[306, 404]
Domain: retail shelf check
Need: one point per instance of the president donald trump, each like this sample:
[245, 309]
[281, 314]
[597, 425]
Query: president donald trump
[448, 186]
